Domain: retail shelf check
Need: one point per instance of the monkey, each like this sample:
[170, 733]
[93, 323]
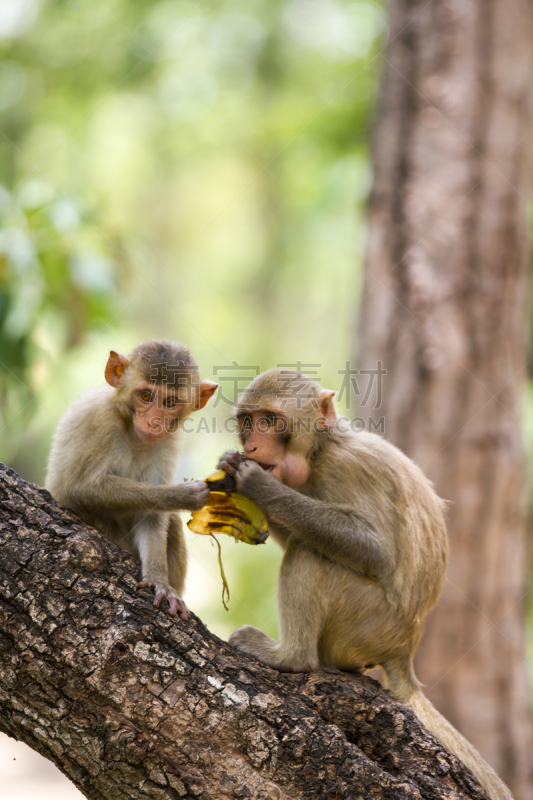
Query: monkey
[365, 545]
[114, 453]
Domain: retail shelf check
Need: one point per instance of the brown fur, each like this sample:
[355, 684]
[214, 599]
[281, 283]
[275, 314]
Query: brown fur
[365, 547]
[102, 470]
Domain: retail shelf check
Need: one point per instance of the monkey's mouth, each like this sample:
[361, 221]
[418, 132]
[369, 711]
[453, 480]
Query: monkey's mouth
[267, 467]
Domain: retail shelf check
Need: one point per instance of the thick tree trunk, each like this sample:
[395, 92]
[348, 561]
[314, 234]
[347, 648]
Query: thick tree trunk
[130, 703]
[445, 311]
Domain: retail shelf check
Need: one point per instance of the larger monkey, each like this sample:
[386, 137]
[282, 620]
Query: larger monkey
[114, 455]
[365, 545]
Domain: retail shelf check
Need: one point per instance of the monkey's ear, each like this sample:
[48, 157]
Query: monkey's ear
[114, 369]
[207, 390]
[326, 410]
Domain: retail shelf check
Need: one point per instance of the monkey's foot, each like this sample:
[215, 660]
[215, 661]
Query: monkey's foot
[255, 643]
[268, 651]
[163, 591]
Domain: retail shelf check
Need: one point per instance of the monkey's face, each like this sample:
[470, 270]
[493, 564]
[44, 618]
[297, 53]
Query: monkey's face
[155, 408]
[266, 438]
[158, 410]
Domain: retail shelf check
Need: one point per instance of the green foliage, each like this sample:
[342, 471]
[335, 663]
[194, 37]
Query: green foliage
[189, 170]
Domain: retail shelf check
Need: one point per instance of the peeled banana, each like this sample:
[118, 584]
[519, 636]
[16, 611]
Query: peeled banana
[229, 512]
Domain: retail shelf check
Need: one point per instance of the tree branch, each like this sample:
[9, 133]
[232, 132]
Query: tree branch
[130, 703]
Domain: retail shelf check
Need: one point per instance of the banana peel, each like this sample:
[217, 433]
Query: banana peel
[229, 512]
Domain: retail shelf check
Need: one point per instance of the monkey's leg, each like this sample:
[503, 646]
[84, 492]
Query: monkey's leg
[300, 617]
[176, 554]
[150, 534]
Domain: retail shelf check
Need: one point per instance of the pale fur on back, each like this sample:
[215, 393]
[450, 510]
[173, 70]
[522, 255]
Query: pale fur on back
[394, 495]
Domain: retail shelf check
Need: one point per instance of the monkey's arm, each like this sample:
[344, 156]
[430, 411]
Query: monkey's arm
[116, 495]
[337, 531]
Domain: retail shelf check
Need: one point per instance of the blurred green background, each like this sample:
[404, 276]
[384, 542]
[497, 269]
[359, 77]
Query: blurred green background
[196, 171]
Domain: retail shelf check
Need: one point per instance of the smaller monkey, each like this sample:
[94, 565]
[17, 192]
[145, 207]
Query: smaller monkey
[114, 454]
[365, 545]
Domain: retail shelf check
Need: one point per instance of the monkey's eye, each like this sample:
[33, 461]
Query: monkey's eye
[271, 418]
[146, 396]
[170, 402]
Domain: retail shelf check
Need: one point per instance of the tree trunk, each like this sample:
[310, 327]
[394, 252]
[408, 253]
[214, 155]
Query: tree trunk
[445, 310]
[130, 703]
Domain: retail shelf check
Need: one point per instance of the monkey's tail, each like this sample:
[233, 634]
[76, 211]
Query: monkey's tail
[407, 689]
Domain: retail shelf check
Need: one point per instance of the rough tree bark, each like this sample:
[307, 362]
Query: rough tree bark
[129, 703]
[445, 311]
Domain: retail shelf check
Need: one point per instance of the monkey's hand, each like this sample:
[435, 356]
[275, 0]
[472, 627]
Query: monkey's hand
[192, 495]
[254, 482]
[230, 462]
[163, 591]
